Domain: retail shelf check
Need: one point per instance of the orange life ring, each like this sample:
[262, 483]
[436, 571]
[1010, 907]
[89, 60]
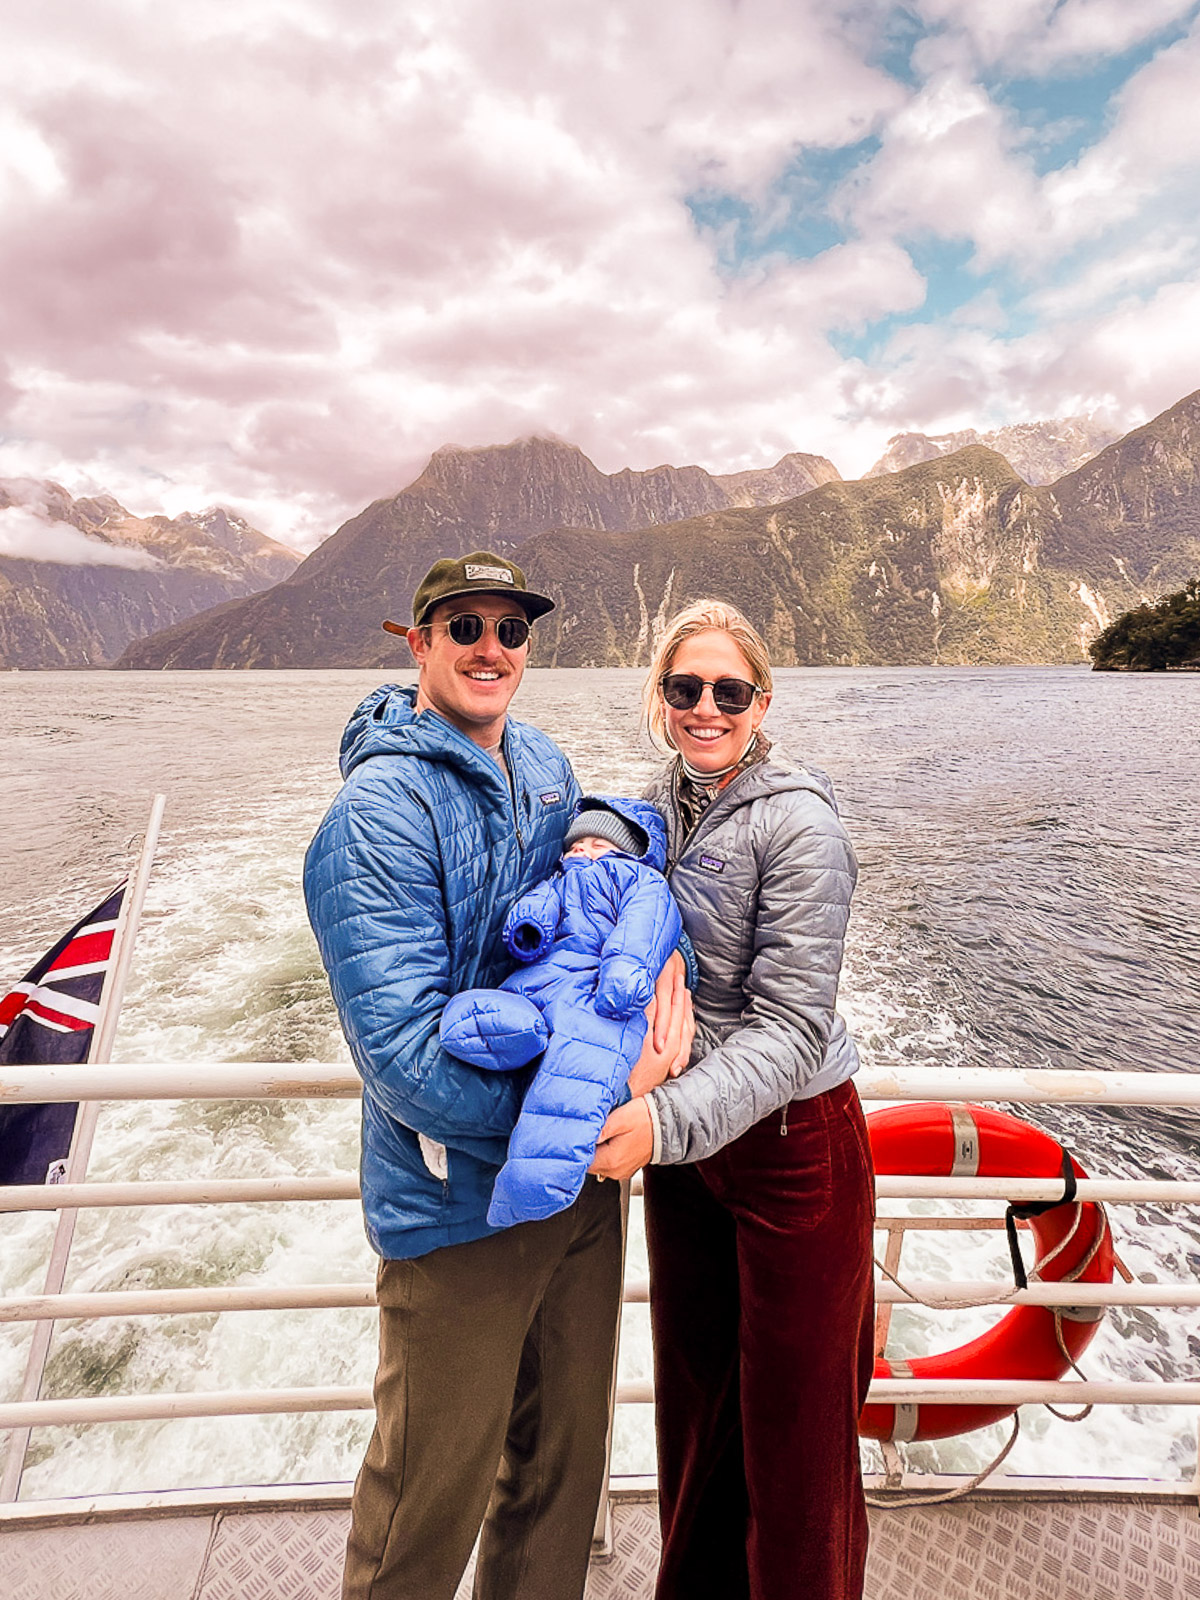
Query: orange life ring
[938, 1140]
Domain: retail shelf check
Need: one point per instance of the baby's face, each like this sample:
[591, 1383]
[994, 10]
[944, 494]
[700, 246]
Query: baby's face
[591, 847]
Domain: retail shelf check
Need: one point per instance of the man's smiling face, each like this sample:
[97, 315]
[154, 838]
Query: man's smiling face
[470, 685]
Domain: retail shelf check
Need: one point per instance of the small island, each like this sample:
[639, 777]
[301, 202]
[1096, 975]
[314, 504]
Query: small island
[1164, 637]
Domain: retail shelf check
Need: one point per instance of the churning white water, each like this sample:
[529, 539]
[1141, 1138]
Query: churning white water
[1028, 897]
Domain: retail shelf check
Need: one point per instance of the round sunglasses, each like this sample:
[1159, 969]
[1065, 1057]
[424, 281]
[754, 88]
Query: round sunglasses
[732, 696]
[468, 627]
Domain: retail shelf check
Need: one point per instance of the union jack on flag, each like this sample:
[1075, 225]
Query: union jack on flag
[48, 1019]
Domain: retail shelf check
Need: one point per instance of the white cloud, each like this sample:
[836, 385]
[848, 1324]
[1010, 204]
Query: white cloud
[843, 289]
[951, 165]
[1124, 363]
[1162, 256]
[1149, 159]
[274, 255]
[27, 535]
[301, 256]
[955, 164]
[1040, 36]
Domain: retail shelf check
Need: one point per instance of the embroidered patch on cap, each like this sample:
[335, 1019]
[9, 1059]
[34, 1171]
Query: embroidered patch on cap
[712, 864]
[489, 574]
[551, 797]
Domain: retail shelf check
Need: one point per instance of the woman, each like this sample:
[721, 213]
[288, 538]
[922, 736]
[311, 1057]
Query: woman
[759, 1193]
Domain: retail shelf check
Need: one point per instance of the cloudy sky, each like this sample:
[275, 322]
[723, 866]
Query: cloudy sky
[273, 254]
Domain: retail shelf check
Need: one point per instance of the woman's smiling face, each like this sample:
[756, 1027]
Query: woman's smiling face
[710, 740]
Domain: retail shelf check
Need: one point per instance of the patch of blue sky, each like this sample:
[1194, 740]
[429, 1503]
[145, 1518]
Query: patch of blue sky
[793, 219]
[892, 45]
[953, 287]
[1066, 113]
[950, 280]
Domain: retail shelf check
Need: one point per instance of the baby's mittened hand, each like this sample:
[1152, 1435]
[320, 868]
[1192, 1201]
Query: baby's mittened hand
[493, 1028]
[625, 987]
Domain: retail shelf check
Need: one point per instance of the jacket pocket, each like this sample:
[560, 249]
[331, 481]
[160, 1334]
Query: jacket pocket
[782, 1180]
[435, 1156]
[852, 1114]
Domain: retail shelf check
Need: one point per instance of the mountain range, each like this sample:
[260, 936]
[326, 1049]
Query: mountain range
[81, 578]
[954, 560]
[328, 612]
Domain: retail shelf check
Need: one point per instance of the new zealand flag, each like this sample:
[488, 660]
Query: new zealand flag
[48, 1018]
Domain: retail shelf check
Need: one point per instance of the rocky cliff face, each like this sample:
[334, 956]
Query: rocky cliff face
[108, 577]
[941, 563]
[795, 474]
[1039, 451]
[1134, 511]
[328, 611]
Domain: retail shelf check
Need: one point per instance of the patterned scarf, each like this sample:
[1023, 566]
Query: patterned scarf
[695, 798]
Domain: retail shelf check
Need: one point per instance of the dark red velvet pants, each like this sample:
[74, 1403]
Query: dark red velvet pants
[762, 1311]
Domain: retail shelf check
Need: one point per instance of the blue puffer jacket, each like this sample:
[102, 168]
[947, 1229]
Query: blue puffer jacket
[596, 936]
[408, 882]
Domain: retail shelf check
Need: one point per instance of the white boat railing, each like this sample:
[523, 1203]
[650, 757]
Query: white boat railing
[344, 1296]
[242, 1191]
[255, 1081]
[308, 1080]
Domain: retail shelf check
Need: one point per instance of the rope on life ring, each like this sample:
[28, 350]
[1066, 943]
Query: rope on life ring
[1073, 1245]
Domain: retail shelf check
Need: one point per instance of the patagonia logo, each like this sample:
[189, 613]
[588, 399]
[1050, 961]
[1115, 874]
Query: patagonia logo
[712, 864]
[489, 574]
[551, 797]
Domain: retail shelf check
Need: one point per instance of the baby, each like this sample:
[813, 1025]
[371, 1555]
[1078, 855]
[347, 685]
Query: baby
[594, 937]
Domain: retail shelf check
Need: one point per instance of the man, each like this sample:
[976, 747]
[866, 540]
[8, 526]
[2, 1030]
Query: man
[496, 1347]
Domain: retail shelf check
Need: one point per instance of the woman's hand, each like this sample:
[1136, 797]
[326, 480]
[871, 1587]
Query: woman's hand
[626, 1142]
[668, 1046]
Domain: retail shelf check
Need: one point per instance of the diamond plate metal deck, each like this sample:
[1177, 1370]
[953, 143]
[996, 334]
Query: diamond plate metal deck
[1036, 1550]
[276, 1555]
[143, 1560]
[628, 1573]
[987, 1548]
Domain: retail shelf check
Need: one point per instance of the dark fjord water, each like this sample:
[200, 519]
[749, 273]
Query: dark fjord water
[1029, 896]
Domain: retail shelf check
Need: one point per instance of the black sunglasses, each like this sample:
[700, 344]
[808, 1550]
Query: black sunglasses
[468, 627]
[682, 691]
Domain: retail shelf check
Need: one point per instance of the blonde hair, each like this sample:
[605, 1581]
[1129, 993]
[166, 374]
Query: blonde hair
[702, 616]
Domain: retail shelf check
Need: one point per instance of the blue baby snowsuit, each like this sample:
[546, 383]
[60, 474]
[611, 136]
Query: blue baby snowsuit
[595, 936]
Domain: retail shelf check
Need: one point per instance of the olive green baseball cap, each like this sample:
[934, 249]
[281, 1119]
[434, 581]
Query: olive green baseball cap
[479, 573]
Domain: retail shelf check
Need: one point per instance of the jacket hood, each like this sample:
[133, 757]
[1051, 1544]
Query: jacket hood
[779, 771]
[643, 815]
[386, 724]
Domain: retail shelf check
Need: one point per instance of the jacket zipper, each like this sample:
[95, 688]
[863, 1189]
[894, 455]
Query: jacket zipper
[511, 776]
[700, 820]
[704, 815]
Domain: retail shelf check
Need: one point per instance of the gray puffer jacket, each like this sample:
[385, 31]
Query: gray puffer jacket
[763, 883]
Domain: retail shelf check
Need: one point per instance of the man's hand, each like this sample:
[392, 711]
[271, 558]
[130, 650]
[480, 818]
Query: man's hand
[626, 1142]
[668, 1046]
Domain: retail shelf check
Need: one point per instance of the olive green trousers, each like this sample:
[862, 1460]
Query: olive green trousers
[491, 1406]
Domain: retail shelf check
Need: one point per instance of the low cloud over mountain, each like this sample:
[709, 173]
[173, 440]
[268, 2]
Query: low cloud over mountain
[80, 578]
[28, 534]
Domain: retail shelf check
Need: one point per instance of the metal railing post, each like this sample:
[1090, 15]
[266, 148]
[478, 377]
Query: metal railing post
[893, 1461]
[111, 996]
[602, 1532]
[891, 1262]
